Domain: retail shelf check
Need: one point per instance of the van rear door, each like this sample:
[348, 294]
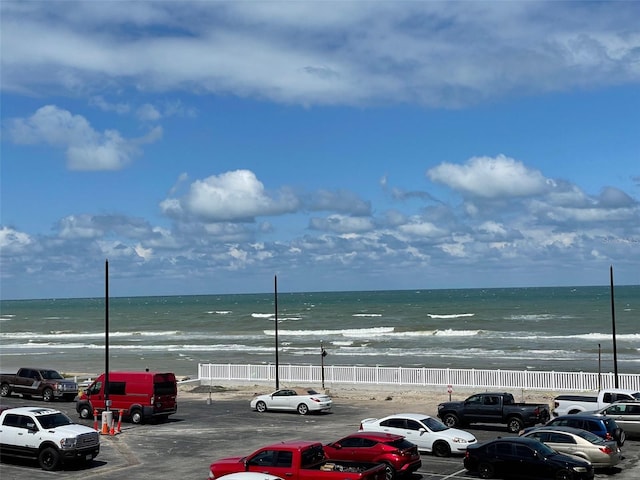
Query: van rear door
[165, 391]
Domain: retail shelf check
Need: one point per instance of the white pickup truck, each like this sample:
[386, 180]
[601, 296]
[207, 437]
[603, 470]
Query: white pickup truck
[569, 404]
[47, 435]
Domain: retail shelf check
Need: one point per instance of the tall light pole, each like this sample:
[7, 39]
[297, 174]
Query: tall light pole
[613, 322]
[275, 289]
[107, 402]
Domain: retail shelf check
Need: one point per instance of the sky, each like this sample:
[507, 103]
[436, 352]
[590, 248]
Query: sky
[211, 147]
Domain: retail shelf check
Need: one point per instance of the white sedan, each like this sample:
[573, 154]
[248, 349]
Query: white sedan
[301, 400]
[428, 433]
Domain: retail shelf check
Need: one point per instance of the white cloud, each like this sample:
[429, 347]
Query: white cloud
[432, 53]
[342, 224]
[233, 196]
[86, 149]
[488, 177]
[13, 241]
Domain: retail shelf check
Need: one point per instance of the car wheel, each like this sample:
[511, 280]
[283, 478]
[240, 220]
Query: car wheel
[486, 470]
[85, 412]
[136, 416]
[514, 425]
[620, 436]
[47, 395]
[451, 420]
[441, 449]
[5, 390]
[303, 409]
[564, 475]
[389, 472]
[261, 407]
[49, 459]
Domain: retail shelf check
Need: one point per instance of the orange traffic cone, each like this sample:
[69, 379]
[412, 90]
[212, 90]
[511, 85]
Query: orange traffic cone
[95, 419]
[112, 431]
[120, 412]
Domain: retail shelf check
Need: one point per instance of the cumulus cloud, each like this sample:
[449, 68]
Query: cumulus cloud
[235, 196]
[86, 148]
[487, 177]
[13, 241]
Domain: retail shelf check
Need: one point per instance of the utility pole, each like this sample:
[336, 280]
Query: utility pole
[275, 288]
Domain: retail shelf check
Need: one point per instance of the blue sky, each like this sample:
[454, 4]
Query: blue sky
[206, 147]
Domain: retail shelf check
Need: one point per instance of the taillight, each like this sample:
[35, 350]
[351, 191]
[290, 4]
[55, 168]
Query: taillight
[606, 450]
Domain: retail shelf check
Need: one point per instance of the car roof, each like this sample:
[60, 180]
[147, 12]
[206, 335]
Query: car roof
[412, 416]
[590, 416]
[37, 411]
[379, 436]
[555, 428]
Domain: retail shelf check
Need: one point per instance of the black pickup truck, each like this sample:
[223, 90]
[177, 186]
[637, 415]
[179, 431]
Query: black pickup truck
[493, 408]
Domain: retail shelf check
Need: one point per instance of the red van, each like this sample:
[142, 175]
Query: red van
[141, 395]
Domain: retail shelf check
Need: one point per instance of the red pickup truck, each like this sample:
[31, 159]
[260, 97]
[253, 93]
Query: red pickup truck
[297, 460]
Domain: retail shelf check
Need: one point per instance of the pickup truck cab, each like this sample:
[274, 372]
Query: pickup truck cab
[47, 435]
[493, 408]
[570, 404]
[38, 382]
[297, 460]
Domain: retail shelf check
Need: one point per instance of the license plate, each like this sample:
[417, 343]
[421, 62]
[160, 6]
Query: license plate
[88, 458]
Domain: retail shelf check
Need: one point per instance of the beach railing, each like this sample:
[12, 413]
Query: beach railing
[418, 377]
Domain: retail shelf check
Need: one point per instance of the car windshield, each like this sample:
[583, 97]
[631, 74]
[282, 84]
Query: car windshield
[54, 420]
[51, 375]
[434, 425]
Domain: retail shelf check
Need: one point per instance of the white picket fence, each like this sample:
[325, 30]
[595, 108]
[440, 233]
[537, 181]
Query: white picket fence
[417, 377]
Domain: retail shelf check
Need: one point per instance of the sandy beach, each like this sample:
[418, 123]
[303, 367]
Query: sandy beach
[397, 398]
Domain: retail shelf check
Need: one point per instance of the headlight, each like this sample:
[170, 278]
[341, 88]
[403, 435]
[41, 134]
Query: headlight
[67, 443]
[460, 440]
[580, 469]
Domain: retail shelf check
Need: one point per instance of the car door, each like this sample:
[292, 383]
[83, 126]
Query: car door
[562, 442]
[474, 409]
[352, 448]
[627, 416]
[416, 433]
[18, 434]
[280, 400]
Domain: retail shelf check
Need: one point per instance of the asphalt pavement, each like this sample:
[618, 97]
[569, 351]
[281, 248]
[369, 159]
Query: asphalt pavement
[183, 447]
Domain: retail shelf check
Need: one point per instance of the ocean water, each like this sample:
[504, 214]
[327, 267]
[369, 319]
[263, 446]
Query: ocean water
[561, 329]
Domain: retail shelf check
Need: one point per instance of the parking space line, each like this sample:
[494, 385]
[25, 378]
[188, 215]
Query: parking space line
[453, 475]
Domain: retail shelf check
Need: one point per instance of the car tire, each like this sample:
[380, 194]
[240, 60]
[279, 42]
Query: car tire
[49, 459]
[136, 416]
[303, 409]
[47, 395]
[441, 449]
[261, 407]
[389, 471]
[514, 425]
[620, 436]
[85, 412]
[486, 470]
[5, 390]
[451, 420]
[564, 475]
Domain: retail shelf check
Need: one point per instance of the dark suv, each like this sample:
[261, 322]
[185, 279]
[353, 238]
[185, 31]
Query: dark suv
[601, 425]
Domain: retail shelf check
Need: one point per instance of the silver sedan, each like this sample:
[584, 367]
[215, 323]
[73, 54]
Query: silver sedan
[580, 443]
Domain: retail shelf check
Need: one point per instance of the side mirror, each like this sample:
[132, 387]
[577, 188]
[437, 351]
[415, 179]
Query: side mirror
[337, 446]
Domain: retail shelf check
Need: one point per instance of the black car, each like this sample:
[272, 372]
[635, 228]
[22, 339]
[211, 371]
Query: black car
[518, 457]
[601, 425]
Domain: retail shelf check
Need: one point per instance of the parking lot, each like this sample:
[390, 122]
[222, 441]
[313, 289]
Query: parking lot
[200, 432]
